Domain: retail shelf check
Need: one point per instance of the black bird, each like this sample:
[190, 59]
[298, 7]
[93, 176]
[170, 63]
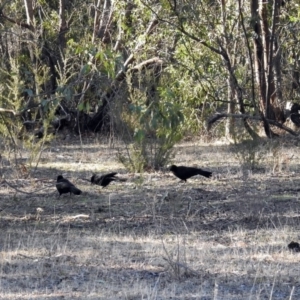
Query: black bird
[294, 246]
[64, 186]
[105, 179]
[295, 116]
[185, 173]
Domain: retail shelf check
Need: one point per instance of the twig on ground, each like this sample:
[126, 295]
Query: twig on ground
[79, 216]
[23, 192]
[84, 179]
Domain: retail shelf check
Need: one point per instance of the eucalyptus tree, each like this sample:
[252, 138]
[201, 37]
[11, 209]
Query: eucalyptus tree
[198, 56]
[245, 38]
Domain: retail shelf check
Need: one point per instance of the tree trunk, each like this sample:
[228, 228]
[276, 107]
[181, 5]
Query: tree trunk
[63, 27]
[259, 62]
[102, 23]
[264, 43]
[96, 21]
[230, 122]
[29, 12]
[229, 125]
[264, 46]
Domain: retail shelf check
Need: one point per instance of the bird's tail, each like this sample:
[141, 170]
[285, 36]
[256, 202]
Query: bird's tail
[205, 173]
[76, 191]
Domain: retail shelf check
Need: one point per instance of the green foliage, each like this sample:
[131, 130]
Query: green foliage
[194, 78]
[195, 82]
[10, 99]
[23, 78]
[157, 125]
[85, 65]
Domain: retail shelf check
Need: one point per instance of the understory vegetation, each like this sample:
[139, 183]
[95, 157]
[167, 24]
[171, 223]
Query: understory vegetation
[148, 73]
[133, 87]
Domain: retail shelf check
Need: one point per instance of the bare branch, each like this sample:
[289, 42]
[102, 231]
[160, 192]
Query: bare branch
[217, 117]
[23, 192]
[146, 63]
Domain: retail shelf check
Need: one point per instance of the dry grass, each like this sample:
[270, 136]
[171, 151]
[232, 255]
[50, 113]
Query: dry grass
[151, 237]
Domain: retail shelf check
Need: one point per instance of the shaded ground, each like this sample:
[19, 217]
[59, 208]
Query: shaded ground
[151, 237]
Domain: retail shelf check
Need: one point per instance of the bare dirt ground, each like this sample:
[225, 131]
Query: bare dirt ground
[151, 237]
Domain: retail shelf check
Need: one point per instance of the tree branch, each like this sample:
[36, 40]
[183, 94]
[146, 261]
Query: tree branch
[219, 116]
[22, 24]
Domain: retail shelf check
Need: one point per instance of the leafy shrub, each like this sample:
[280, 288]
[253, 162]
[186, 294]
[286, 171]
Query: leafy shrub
[156, 127]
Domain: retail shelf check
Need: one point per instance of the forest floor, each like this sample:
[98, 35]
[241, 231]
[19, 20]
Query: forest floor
[152, 237]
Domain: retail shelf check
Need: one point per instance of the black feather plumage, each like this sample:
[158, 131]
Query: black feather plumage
[64, 186]
[185, 173]
[105, 179]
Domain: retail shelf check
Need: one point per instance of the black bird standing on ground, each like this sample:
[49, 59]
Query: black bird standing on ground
[294, 246]
[64, 186]
[105, 179]
[185, 173]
